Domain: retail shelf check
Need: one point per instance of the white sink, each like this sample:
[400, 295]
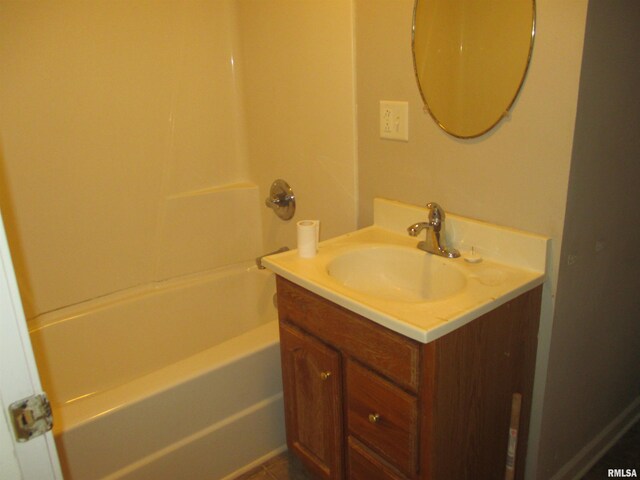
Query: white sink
[397, 273]
[378, 271]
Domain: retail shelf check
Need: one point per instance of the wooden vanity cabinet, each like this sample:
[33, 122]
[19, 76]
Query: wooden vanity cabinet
[365, 403]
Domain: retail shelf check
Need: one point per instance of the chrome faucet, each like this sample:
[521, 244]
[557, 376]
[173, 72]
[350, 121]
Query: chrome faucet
[434, 225]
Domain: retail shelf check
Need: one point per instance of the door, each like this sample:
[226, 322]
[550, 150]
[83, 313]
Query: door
[312, 385]
[36, 459]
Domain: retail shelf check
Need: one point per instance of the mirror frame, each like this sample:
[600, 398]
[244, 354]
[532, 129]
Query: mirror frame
[516, 92]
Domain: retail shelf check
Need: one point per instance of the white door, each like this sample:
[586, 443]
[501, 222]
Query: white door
[37, 458]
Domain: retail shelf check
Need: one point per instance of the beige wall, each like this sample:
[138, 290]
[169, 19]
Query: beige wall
[138, 139]
[516, 175]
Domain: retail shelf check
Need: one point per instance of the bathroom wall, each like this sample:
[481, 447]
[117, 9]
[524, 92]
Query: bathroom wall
[134, 136]
[517, 175]
[593, 386]
[138, 139]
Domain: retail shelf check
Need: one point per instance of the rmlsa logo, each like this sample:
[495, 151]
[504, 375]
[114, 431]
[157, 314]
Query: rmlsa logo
[622, 472]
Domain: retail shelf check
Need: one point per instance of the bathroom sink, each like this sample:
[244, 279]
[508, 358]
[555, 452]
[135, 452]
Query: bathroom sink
[396, 273]
[379, 272]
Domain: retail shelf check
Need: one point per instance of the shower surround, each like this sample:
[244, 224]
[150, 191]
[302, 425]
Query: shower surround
[138, 141]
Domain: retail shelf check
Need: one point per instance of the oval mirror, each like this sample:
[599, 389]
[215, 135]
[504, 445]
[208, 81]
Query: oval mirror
[470, 59]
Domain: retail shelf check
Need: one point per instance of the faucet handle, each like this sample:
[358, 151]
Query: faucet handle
[436, 215]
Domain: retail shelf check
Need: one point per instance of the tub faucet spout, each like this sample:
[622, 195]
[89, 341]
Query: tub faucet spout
[434, 226]
[259, 259]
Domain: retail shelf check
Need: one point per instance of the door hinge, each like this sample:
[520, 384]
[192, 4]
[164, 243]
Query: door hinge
[31, 417]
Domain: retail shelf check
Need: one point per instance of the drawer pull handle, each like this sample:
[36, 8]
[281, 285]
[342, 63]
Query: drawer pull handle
[325, 375]
[374, 417]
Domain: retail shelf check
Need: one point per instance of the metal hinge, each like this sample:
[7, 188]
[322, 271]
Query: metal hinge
[31, 417]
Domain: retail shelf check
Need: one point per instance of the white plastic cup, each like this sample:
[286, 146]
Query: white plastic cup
[308, 237]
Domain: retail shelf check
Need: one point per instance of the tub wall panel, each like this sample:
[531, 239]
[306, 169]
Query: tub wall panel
[109, 110]
[209, 229]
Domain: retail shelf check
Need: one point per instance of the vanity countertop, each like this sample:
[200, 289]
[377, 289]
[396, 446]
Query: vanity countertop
[512, 262]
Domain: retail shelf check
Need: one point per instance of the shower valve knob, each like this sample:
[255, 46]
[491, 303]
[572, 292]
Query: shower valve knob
[281, 199]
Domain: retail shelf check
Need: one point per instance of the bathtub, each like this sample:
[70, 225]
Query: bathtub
[176, 380]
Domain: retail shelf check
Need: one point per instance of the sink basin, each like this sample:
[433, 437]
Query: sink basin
[397, 273]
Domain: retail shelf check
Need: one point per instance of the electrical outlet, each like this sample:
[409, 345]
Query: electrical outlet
[394, 120]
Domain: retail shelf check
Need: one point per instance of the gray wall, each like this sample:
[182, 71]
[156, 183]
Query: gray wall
[594, 362]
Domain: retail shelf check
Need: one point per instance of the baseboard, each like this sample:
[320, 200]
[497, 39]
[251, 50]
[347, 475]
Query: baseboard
[593, 451]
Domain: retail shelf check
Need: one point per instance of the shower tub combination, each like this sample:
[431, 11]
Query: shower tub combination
[176, 380]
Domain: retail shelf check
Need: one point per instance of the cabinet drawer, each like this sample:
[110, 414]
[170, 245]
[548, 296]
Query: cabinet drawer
[382, 416]
[391, 354]
[364, 465]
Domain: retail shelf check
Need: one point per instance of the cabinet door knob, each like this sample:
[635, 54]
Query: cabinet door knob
[374, 417]
[325, 375]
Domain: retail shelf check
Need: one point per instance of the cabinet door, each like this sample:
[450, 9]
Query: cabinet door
[312, 387]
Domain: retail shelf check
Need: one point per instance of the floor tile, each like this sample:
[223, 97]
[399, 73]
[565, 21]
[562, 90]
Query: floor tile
[287, 467]
[282, 467]
[258, 473]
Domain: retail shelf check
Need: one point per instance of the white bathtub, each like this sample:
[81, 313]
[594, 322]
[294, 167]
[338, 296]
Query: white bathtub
[177, 380]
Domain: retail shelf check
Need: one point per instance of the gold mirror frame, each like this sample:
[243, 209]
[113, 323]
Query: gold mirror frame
[451, 38]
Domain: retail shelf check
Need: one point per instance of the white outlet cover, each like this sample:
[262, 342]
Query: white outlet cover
[394, 120]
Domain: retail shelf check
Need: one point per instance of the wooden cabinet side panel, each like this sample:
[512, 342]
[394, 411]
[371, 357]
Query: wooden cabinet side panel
[526, 337]
[427, 397]
[312, 387]
[470, 412]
